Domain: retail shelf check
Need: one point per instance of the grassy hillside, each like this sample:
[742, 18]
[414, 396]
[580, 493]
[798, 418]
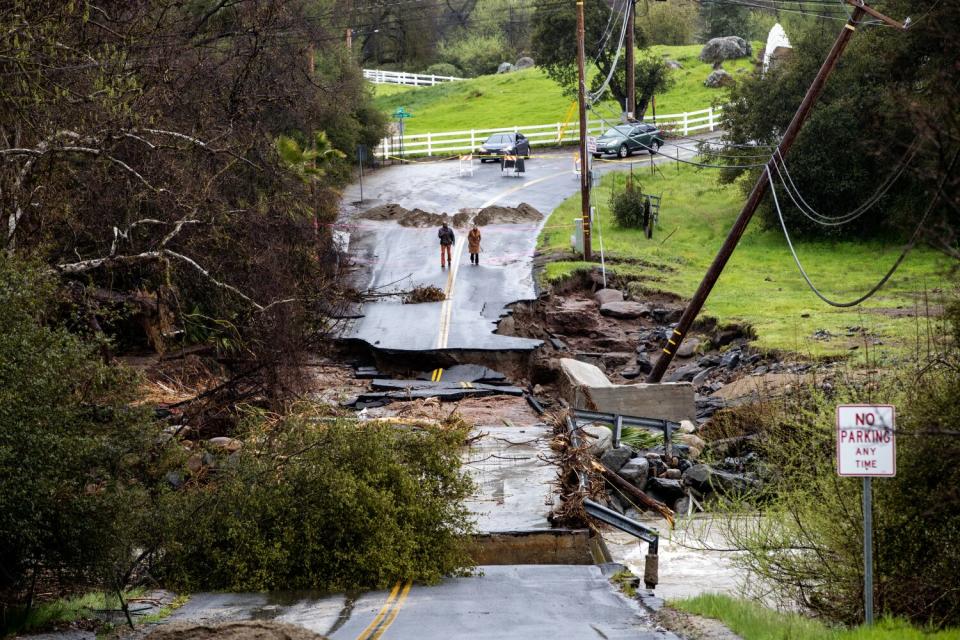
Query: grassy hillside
[528, 97]
[760, 284]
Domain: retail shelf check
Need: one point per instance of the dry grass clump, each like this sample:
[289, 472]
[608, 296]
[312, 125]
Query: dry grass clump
[424, 293]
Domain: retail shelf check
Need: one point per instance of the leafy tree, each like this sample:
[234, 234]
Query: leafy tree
[670, 23]
[555, 50]
[139, 155]
[475, 54]
[719, 19]
[859, 133]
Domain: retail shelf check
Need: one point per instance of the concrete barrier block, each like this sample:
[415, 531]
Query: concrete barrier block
[586, 387]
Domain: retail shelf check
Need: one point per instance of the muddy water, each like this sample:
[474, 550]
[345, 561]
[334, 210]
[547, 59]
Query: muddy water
[694, 557]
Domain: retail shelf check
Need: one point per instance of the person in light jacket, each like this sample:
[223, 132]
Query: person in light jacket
[473, 243]
[447, 241]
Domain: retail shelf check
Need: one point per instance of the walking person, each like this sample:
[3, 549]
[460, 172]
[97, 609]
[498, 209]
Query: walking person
[473, 243]
[447, 240]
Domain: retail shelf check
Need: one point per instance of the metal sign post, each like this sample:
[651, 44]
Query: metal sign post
[867, 448]
[400, 115]
[361, 156]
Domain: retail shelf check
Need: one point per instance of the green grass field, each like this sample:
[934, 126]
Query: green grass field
[761, 284]
[752, 621]
[529, 98]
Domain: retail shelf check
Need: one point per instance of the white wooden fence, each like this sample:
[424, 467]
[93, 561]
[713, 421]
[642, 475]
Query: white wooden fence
[378, 76]
[453, 142]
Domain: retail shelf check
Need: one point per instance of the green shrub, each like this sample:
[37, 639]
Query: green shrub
[71, 447]
[477, 55]
[629, 207]
[443, 69]
[325, 504]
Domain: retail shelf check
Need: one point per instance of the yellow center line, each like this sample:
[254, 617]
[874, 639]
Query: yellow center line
[393, 614]
[365, 634]
[446, 309]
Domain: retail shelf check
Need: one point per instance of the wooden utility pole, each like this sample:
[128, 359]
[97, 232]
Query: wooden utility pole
[584, 163]
[349, 39]
[631, 106]
[762, 185]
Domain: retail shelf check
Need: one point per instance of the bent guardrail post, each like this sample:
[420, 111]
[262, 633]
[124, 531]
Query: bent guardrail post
[651, 569]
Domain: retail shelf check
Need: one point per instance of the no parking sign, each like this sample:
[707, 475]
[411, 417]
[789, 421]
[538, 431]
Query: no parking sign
[867, 448]
[866, 440]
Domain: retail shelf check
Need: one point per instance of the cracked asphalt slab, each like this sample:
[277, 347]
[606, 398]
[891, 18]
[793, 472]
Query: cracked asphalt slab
[391, 256]
[503, 602]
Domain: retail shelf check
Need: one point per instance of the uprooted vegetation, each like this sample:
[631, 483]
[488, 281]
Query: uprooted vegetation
[424, 293]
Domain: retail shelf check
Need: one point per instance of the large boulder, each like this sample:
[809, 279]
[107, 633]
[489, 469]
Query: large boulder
[686, 373]
[624, 310]
[505, 67]
[603, 296]
[719, 78]
[616, 457]
[688, 347]
[665, 489]
[725, 48]
[599, 439]
[635, 471]
[524, 62]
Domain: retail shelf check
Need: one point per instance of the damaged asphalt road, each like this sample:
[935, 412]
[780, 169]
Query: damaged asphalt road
[400, 257]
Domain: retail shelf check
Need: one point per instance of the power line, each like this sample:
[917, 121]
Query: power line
[850, 216]
[906, 250]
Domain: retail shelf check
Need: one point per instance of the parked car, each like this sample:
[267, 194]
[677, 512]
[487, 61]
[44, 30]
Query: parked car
[624, 139]
[504, 144]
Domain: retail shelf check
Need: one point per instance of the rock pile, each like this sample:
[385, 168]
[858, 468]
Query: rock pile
[676, 478]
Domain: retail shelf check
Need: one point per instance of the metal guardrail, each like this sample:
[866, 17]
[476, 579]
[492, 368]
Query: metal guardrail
[667, 427]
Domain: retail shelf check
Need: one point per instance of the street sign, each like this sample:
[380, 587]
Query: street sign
[866, 441]
[401, 113]
[591, 144]
[867, 448]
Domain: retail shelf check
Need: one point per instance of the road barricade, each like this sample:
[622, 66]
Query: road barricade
[466, 165]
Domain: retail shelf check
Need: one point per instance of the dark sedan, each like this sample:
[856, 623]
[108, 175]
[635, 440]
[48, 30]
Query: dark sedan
[625, 139]
[504, 144]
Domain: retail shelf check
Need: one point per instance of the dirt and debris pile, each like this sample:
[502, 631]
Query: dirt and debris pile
[386, 212]
[420, 218]
[507, 215]
[247, 630]
[424, 293]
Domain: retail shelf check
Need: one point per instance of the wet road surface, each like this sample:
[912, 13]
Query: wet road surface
[504, 603]
[393, 256]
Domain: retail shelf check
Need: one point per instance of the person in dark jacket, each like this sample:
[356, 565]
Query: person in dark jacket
[447, 241]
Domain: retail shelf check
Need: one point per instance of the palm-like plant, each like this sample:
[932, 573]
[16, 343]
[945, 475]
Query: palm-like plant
[311, 163]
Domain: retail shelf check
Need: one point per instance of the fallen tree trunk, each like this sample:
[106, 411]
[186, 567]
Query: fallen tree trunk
[623, 485]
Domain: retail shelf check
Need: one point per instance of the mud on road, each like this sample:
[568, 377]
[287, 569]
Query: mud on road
[416, 217]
